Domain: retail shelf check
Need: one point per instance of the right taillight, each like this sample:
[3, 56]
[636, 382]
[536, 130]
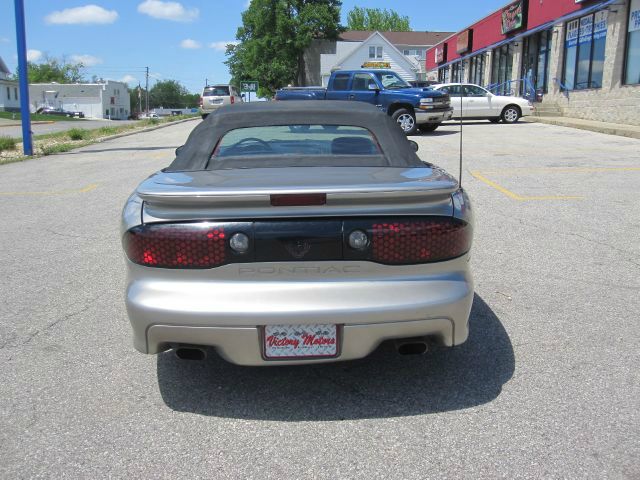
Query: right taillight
[420, 241]
[406, 241]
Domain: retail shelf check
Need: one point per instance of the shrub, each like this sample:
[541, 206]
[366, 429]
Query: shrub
[78, 134]
[7, 143]
[57, 148]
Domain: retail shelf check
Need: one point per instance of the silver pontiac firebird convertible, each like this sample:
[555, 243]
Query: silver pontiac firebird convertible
[297, 232]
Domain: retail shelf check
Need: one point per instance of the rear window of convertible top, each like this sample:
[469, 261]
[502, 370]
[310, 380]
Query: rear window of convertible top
[300, 145]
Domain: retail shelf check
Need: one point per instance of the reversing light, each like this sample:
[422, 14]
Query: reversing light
[239, 243]
[358, 240]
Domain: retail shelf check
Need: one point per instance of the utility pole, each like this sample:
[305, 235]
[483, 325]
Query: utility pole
[206, 82]
[147, 92]
[23, 73]
[139, 99]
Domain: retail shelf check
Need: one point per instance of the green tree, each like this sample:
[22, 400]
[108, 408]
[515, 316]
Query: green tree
[167, 94]
[54, 70]
[377, 19]
[273, 37]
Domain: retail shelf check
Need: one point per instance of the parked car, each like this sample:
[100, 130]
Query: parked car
[286, 247]
[479, 103]
[410, 107]
[216, 96]
[59, 112]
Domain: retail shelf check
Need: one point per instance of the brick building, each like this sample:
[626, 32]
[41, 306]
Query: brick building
[581, 58]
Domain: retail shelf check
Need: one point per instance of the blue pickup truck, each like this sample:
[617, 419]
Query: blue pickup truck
[411, 107]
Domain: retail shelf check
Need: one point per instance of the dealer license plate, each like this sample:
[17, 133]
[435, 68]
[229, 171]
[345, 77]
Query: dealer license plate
[300, 341]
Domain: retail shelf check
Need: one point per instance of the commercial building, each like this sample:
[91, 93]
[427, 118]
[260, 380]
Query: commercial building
[107, 100]
[403, 52]
[9, 92]
[580, 58]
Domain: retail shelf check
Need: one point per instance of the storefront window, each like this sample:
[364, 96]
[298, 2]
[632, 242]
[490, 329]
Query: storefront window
[501, 69]
[535, 64]
[584, 51]
[477, 69]
[443, 75]
[457, 72]
[632, 70]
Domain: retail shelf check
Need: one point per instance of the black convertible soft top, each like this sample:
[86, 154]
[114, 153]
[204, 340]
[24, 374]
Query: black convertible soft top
[197, 151]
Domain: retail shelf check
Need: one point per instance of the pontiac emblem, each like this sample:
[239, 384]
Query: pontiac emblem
[298, 248]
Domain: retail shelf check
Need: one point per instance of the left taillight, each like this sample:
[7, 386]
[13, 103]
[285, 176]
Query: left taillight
[198, 245]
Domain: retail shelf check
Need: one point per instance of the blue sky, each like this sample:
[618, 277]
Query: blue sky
[182, 40]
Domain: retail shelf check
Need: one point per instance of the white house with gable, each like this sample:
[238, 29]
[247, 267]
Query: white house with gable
[402, 52]
[107, 100]
[9, 92]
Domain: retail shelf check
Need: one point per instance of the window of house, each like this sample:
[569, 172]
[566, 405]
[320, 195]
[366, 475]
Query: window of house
[372, 52]
[585, 43]
[632, 64]
[341, 81]
[378, 52]
[15, 93]
[8, 93]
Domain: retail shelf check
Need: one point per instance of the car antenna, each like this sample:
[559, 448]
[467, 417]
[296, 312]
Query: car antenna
[460, 165]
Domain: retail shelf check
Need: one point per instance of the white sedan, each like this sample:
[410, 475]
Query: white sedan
[476, 102]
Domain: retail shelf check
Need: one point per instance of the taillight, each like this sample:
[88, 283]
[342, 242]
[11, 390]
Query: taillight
[198, 245]
[410, 241]
[233, 100]
[298, 199]
[421, 241]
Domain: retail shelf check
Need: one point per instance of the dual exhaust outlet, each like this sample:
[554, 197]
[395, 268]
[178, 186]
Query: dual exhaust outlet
[404, 347]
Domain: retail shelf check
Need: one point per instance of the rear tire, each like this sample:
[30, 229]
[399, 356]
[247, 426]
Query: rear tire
[495, 120]
[511, 114]
[406, 120]
[429, 127]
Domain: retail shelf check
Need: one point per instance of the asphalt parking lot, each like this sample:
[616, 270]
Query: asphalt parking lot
[547, 386]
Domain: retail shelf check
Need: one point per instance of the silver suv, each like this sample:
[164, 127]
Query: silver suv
[215, 96]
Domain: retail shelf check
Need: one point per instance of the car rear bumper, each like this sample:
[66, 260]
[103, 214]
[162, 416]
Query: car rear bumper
[368, 306]
[211, 108]
[423, 116]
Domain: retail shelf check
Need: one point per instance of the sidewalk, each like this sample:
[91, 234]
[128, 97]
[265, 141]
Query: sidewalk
[623, 130]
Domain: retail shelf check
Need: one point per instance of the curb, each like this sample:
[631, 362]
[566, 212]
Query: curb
[19, 124]
[621, 131]
[134, 132]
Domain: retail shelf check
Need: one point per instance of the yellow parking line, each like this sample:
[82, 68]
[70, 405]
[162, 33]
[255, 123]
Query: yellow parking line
[517, 197]
[86, 189]
[525, 170]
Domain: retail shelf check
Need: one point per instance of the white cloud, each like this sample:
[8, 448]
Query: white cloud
[34, 55]
[87, 14]
[129, 79]
[86, 60]
[222, 46]
[190, 44]
[168, 11]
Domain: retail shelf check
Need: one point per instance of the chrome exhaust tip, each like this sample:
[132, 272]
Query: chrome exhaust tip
[412, 347]
[191, 353]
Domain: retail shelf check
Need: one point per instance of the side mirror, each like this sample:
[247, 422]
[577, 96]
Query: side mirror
[415, 145]
[179, 149]
[374, 87]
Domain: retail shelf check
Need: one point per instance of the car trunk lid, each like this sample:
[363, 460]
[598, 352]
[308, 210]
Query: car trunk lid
[250, 193]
